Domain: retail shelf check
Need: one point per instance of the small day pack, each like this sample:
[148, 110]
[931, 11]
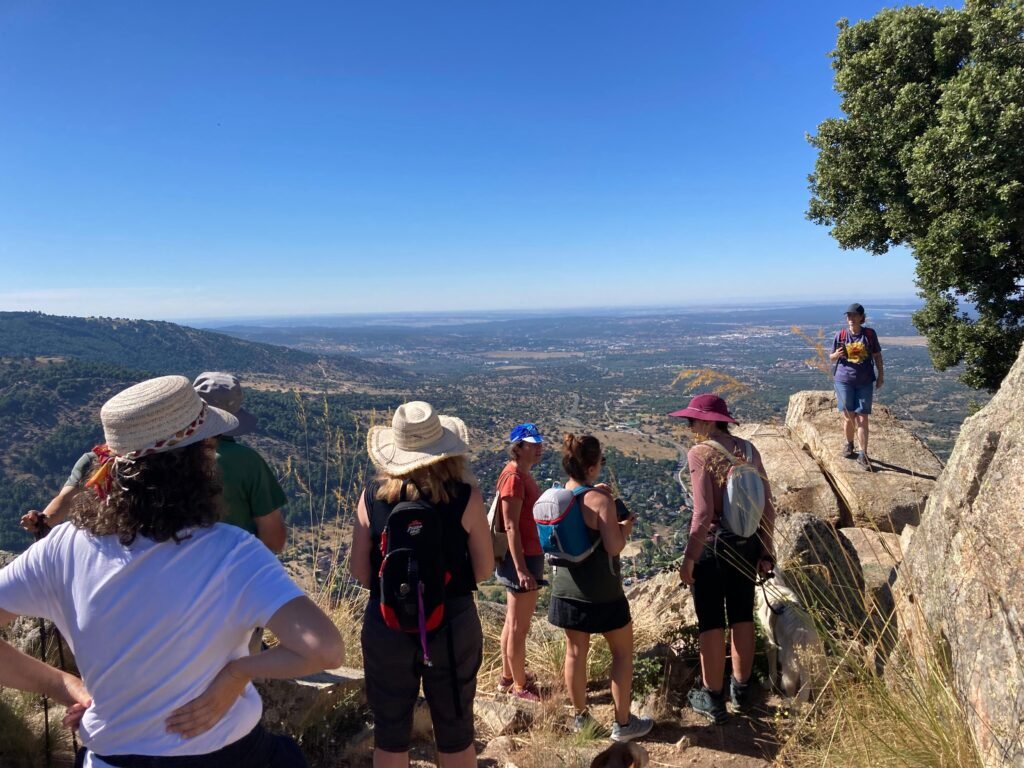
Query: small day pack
[413, 574]
[744, 499]
[564, 535]
[496, 525]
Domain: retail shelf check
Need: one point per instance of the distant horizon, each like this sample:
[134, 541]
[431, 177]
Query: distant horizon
[739, 304]
[736, 305]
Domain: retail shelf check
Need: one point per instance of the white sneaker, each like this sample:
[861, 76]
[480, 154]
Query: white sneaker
[636, 728]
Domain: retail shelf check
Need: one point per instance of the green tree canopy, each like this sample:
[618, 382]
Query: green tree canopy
[930, 155]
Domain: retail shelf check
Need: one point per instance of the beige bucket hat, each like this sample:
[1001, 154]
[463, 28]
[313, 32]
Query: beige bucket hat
[160, 415]
[416, 438]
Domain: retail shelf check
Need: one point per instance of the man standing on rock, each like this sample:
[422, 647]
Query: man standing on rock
[855, 354]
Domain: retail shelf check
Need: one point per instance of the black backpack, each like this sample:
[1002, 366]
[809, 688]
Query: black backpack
[413, 574]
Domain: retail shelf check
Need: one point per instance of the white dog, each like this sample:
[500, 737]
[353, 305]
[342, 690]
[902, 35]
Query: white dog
[793, 641]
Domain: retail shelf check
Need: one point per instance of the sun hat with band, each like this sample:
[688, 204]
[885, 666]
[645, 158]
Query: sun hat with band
[706, 408]
[154, 416]
[525, 433]
[416, 438]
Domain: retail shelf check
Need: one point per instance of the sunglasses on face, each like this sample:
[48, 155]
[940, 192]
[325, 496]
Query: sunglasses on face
[604, 460]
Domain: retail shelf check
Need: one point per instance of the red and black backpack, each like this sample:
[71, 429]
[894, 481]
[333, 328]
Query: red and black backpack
[413, 574]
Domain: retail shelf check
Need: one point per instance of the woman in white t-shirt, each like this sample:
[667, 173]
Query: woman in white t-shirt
[157, 600]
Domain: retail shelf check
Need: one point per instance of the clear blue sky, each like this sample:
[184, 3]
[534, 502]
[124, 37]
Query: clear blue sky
[196, 158]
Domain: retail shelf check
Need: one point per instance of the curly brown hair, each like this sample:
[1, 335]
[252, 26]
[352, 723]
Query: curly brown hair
[158, 496]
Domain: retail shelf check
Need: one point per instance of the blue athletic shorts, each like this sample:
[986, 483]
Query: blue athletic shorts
[855, 397]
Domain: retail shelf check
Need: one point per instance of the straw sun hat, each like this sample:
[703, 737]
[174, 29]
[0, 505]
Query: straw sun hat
[159, 415]
[416, 438]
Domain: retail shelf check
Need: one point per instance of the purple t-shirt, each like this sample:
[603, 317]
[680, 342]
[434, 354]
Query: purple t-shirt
[858, 367]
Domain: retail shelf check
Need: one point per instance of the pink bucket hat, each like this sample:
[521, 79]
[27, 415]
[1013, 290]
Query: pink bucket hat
[706, 408]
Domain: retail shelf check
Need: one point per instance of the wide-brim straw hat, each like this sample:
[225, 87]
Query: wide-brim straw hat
[160, 415]
[416, 438]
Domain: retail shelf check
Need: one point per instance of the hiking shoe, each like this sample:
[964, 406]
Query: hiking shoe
[584, 721]
[529, 693]
[848, 452]
[864, 461]
[708, 703]
[739, 694]
[636, 728]
[505, 684]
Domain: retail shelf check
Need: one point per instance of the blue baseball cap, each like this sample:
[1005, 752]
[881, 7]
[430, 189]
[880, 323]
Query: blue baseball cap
[525, 433]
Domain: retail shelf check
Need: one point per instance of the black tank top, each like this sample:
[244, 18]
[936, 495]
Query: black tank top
[456, 540]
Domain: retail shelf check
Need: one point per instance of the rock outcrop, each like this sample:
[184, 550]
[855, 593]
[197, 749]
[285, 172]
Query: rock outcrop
[879, 555]
[660, 607]
[822, 567]
[798, 484]
[905, 470]
[962, 570]
[293, 705]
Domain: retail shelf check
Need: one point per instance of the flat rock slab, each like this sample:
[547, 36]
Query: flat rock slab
[905, 470]
[798, 484]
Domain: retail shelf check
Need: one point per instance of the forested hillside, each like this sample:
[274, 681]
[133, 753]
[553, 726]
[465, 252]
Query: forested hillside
[163, 347]
[56, 372]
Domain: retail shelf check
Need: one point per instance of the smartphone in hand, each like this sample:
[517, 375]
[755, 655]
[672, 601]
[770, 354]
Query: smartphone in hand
[621, 510]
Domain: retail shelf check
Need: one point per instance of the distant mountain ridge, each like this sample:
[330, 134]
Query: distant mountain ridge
[162, 347]
[56, 372]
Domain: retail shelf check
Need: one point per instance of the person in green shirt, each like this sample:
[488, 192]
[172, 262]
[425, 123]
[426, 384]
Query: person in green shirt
[252, 496]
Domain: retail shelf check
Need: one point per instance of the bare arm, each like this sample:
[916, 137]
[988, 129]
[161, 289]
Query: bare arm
[880, 379]
[272, 531]
[481, 550]
[56, 512]
[308, 642]
[18, 670]
[359, 556]
[613, 534]
[511, 508]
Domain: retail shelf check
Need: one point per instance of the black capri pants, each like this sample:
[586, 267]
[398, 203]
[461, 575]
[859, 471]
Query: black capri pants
[723, 581]
[393, 666]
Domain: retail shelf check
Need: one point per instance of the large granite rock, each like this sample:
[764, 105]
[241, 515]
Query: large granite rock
[798, 484]
[660, 608]
[822, 567]
[879, 555]
[905, 470]
[293, 705]
[963, 569]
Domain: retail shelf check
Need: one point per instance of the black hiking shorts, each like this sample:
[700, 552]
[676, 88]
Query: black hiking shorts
[723, 582]
[393, 664]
